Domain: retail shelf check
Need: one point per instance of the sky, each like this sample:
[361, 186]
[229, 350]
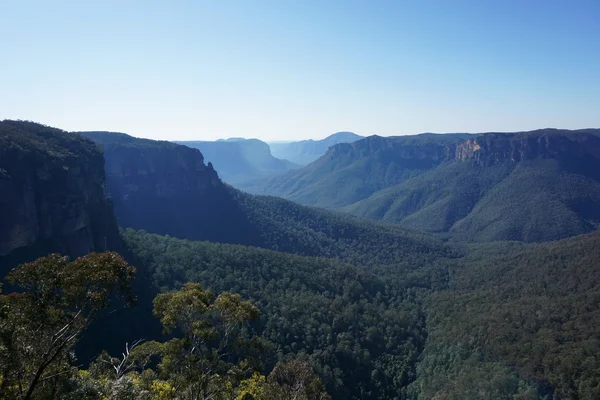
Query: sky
[297, 69]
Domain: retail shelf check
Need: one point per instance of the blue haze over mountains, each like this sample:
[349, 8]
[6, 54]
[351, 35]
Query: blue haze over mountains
[261, 266]
[242, 162]
[456, 258]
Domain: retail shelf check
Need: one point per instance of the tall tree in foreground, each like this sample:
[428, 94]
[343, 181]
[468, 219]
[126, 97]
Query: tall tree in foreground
[212, 357]
[39, 324]
[207, 360]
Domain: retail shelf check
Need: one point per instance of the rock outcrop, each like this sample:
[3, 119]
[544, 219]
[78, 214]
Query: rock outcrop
[166, 188]
[52, 192]
[494, 148]
[240, 161]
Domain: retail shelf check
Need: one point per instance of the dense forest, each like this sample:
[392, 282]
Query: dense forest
[219, 294]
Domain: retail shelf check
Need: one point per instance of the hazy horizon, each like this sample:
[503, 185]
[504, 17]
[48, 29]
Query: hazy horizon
[286, 71]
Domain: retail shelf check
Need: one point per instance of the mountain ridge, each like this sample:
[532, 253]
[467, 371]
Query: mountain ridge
[304, 152]
[239, 160]
[471, 186]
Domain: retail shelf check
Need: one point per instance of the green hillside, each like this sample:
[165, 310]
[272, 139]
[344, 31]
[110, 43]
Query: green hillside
[533, 201]
[376, 310]
[348, 173]
[166, 188]
[531, 186]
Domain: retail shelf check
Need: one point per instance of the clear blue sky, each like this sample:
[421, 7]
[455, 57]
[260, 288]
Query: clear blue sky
[288, 69]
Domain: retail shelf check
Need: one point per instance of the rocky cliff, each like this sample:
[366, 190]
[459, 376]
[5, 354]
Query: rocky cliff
[494, 148]
[422, 151]
[483, 150]
[166, 188]
[240, 161]
[530, 186]
[52, 193]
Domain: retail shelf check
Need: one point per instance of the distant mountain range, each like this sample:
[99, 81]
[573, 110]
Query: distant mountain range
[243, 162]
[306, 151]
[240, 160]
[531, 186]
[166, 188]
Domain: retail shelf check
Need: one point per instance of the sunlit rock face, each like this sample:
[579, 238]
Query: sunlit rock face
[493, 148]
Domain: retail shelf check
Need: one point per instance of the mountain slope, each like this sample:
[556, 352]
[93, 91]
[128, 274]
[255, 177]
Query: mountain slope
[533, 186]
[536, 186]
[306, 151]
[165, 188]
[350, 172]
[240, 161]
[379, 312]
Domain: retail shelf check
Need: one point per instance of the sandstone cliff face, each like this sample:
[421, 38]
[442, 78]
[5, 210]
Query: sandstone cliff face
[494, 148]
[164, 188]
[421, 151]
[482, 150]
[52, 191]
[139, 167]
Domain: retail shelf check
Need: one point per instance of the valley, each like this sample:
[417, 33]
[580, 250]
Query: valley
[474, 273]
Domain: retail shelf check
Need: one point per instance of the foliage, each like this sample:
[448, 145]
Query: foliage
[208, 361]
[361, 332]
[40, 324]
[536, 310]
[212, 359]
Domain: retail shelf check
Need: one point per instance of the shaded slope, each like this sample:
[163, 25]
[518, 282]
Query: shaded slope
[165, 188]
[52, 194]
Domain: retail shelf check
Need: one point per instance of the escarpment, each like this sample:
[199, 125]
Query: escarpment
[52, 193]
[166, 188]
[493, 148]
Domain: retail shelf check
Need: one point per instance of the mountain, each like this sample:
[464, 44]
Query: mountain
[165, 188]
[306, 151]
[377, 311]
[52, 194]
[532, 186]
[239, 160]
[350, 172]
